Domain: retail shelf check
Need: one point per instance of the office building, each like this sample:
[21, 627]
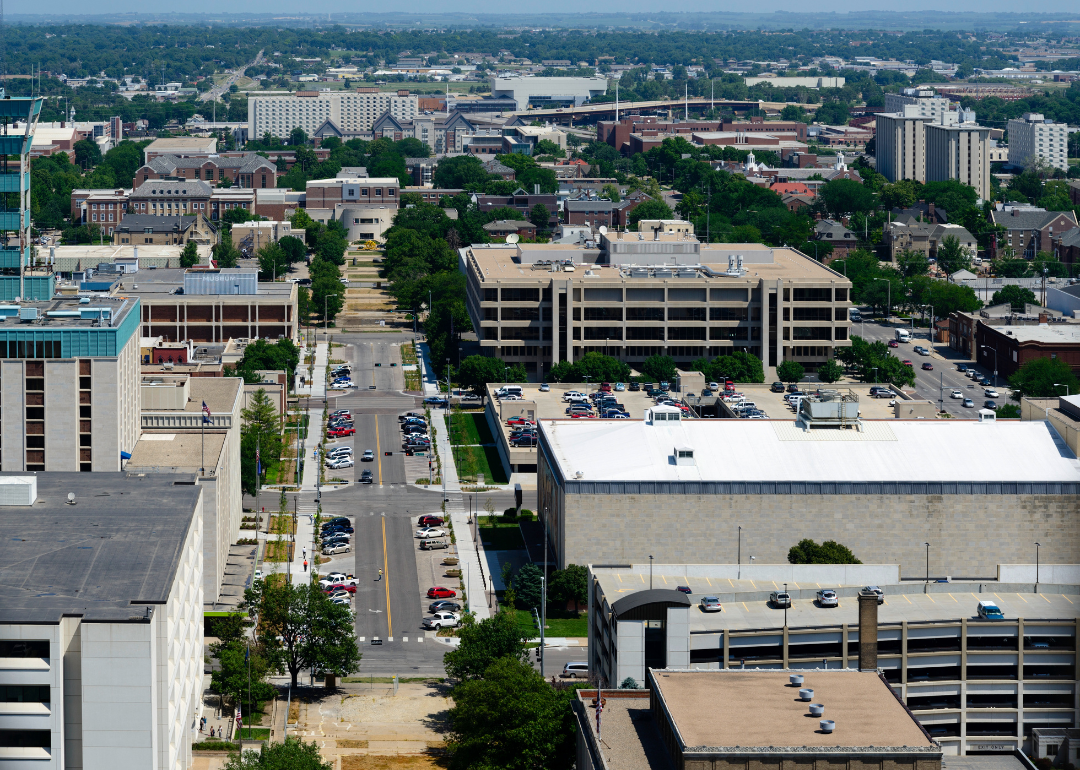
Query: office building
[657, 292]
[547, 92]
[15, 237]
[378, 191]
[1004, 349]
[181, 146]
[961, 153]
[100, 620]
[348, 111]
[920, 101]
[973, 489]
[973, 685]
[246, 169]
[69, 384]
[900, 146]
[180, 197]
[1034, 138]
[178, 437]
[157, 230]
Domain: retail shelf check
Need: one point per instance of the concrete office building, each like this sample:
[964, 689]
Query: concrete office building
[959, 152]
[975, 686]
[917, 101]
[1033, 137]
[349, 111]
[548, 92]
[901, 146]
[100, 620]
[653, 293]
[69, 384]
[748, 720]
[178, 438]
[702, 491]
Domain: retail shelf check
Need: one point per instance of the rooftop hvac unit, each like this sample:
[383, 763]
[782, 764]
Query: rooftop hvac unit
[18, 490]
[28, 314]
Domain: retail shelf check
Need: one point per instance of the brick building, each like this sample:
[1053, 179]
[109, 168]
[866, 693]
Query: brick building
[246, 170]
[1031, 230]
[1007, 348]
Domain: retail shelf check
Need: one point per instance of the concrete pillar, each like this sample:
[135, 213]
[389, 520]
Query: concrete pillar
[868, 628]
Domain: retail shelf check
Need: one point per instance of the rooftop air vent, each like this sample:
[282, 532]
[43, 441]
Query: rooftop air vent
[684, 455]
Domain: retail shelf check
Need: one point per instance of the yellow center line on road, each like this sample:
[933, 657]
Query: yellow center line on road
[386, 580]
[378, 449]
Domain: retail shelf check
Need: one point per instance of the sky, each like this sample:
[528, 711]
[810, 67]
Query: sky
[556, 6]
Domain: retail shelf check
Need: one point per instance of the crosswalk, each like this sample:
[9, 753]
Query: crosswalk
[375, 639]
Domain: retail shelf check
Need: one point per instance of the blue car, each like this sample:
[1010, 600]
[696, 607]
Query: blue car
[435, 400]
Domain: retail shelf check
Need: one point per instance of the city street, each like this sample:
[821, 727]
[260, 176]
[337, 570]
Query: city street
[944, 379]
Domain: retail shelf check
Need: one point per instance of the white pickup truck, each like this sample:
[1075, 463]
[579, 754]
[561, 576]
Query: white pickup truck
[337, 580]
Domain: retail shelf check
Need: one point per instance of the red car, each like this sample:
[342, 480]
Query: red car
[928, 367]
[438, 592]
[894, 344]
[519, 421]
[605, 387]
[349, 588]
[576, 415]
[340, 432]
[907, 362]
[430, 521]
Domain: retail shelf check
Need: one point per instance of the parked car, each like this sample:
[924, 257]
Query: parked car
[519, 421]
[984, 381]
[341, 413]
[442, 620]
[409, 415]
[440, 592]
[968, 403]
[927, 366]
[710, 604]
[684, 589]
[620, 386]
[877, 592]
[366, 477]
[962, 368]
[884, 394]
[987, 610]
[368, 456]
[573, 395]
[444, 605]
[343, 385]
[340, 432]
[826, 597]
[347, 588]
[341, 462]
[780, 599]
[341, 451]
[434, 544]
[427, 532]
[337, 579]
[544, 387]
[635, 386]
[336, 548]
[777, 387]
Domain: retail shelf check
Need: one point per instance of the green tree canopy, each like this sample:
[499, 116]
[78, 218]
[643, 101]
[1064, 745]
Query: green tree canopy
[293, 754]
[1016, 296]
[830, 371]
[596, 366]
[1043, 378]
[790, 371]
[475, 372]
[224, 252]
[951, 256]
[273, 261]
[846, 196]
[650, 209]
[570, 585]
[294, 248]
[527, 585]
[738, 367]
[481, 644]
[828, 552]
[189, 257]
[659, 368]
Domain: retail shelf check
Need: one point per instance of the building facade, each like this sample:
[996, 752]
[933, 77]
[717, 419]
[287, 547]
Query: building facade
[378, 191]
[961, 153]
[1033, 137]
[537, 304]
[917, 101]
[900, 146]
[139, 229]
[241, 169]
[547, 92]
[1031, 230]
[69, 384]
[352, 111]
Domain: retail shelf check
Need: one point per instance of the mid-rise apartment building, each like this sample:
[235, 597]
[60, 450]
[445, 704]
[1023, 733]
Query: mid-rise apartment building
[925, 102]
[1033, 137]
[653, 293]
[69, 384]
[959, 152]
[350, 111]
[901, 146]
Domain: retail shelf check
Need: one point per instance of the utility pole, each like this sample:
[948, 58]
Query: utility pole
[543, 597]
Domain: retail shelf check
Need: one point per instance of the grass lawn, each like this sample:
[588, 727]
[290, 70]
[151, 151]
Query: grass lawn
[257, 733]
[469, 428]
[567, 624]
[502, 537]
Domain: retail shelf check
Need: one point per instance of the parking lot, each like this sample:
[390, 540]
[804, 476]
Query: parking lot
[774, 405]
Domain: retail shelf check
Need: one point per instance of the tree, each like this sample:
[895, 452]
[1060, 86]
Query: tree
[87, 153]
[294, 248]
[611, 192]
[278, 356]
[224, 252]
[912, 263]
[273, 262]
[511, 719]
[1043, 378]
[829, 552]
[237, 215]
[651, 209]
[1016, 296]
[629, 683]
[293, 754]
[260, 432]
[298, 137]
[951, 256]
[189, 257]
[474, 372]
[738, 367]
[570, 585]
[299, 627]
[790, 371]
[540, 216]
[830, 371]
[846, 196]
[659, 368]
[527, 584]
[1008, 411]
[595, 366]
[480, 644]
[548, 147]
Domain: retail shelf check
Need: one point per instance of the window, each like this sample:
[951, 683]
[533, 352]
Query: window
[645, 314]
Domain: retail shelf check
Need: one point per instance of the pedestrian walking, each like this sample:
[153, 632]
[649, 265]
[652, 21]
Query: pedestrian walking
[202, 725]
[212, 732]
[305, 565]
[305, 553]
[380, 573]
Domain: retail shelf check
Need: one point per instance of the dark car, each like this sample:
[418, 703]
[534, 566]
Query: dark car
[429, 521]
[635, 386]
[342, 529]
[684, 589]
[444, 606]
[777, 387]
[435, 401]
[793, 387]
[928, 367]
[985, 382]
[366, 477]
[989, 404]
[962, 368]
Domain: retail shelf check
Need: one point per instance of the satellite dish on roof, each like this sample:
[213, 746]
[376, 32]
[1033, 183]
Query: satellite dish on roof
[513, 238]
[603, 229]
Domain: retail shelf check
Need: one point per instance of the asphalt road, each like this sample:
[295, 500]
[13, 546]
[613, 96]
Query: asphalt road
[936, 385]
[234, 75]
[385, 514]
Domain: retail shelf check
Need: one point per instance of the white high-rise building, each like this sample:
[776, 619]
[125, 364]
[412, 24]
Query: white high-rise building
[348, 111]
[1032, 136]
[960, 152]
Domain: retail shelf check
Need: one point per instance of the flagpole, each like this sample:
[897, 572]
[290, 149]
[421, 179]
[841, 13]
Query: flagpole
[258, 480]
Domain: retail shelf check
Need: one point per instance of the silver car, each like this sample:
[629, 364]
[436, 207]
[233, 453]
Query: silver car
[710, 604]
[877, 591]
[826, 597]
[338, 548]
[780, 599]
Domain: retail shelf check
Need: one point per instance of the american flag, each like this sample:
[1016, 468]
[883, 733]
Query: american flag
[206, 412]
[239, 720]
[599, 711]
[258, 462]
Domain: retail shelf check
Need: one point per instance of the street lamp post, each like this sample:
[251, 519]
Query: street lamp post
[1037, 547]
[992, 350]
[927, 562]
[650, 571]
[786, 604]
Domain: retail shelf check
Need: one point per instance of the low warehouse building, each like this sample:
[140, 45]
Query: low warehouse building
[981, 493]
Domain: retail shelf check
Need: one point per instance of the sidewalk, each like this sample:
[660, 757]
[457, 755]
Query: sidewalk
[427, 380]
